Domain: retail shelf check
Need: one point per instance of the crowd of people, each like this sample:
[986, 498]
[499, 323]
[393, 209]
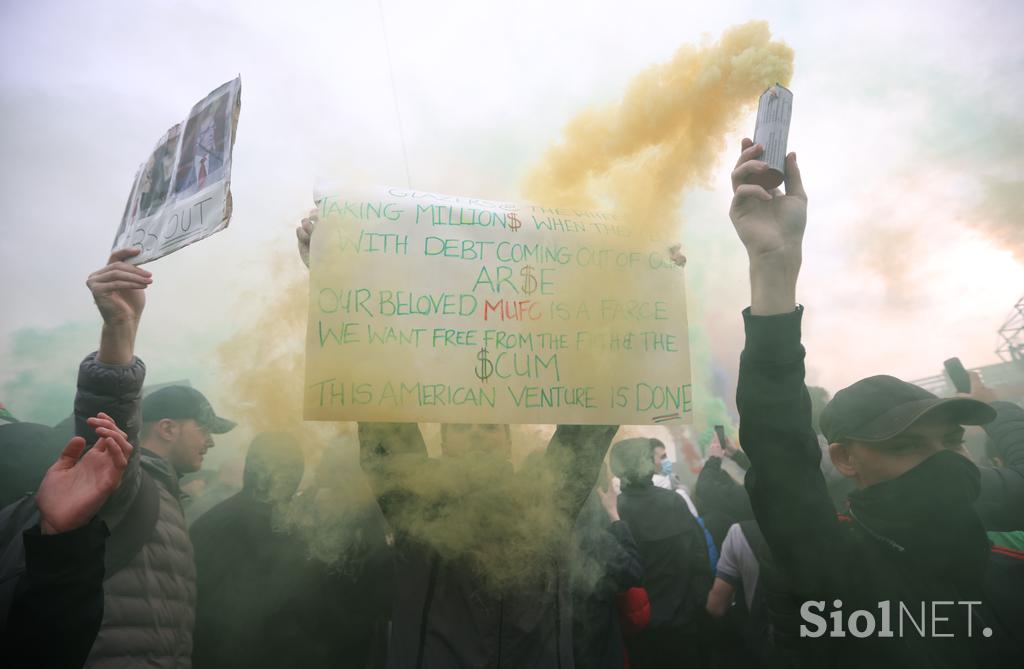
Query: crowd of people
[859, 533]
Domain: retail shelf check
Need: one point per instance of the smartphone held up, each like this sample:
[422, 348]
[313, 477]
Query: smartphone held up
[958, 375]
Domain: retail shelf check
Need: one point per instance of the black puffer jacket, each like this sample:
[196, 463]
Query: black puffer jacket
[150, 586]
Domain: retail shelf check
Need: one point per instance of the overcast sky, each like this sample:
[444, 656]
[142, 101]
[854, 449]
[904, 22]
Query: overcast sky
[906, 118]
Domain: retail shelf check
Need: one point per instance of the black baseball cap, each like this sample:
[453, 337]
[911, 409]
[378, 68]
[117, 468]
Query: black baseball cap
[180, 403]
[880, 407]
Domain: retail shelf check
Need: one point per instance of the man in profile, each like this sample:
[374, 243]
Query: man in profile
[912, 536]
[149, 584]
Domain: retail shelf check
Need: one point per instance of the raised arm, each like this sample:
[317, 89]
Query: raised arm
[623, 566]
[786, 487]
[574, 456]
[1001, 503]
[110, 380]
[119, 292]
[1007, 435]
[771, 227]
[736, 454]
[58, 604]
[1006, 432]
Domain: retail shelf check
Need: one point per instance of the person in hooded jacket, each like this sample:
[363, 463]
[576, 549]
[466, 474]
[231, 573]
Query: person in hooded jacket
[677, 570]
[244, 569]
[262, 599]
[664, 478]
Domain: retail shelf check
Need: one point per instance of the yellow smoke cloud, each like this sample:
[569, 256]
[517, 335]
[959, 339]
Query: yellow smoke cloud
[640, 154]
[264, 359]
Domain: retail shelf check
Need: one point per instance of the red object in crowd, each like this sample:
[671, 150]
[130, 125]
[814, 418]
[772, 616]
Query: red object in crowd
[634, 612]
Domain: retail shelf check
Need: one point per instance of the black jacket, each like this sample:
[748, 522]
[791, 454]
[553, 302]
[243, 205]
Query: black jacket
[815, 556]
[26, 452]
[115, 390]
[445, 616]
[58, 603]
[263, 601]
[1001, 502]
[245, 573]
[721, 501]
[673, 552]
[606, 564]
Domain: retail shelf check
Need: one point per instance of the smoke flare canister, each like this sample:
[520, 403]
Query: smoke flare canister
[774, 111]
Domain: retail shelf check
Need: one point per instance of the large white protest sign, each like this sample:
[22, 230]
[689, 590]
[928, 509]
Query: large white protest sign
[182, 193]
[426, 307]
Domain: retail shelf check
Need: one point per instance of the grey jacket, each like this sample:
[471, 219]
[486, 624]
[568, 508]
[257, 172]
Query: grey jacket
[150, 586]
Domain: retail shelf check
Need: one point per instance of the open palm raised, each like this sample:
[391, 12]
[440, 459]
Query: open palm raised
[76, 485]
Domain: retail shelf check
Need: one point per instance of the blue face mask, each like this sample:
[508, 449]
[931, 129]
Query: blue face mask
[666, 467]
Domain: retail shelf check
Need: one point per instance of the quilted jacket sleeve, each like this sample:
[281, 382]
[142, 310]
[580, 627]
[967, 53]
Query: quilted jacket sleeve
[116, 390]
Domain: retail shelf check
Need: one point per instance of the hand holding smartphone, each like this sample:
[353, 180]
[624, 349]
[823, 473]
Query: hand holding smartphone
[958, 375]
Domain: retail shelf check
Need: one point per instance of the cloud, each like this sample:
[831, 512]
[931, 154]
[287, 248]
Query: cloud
[1000, 214]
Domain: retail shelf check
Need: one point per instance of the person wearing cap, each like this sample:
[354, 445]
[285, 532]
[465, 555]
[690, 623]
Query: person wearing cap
[178, 427]
[912, 536]
[880, 427]
[149, 583]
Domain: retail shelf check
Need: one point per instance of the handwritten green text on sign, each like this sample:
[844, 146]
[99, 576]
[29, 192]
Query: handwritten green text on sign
[426, 307]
